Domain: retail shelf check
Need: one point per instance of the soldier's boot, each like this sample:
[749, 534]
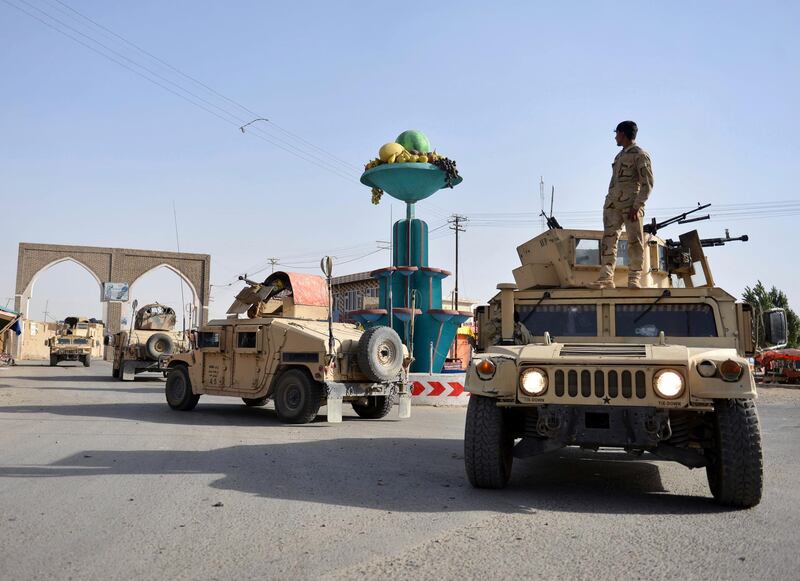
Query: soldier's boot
[635, 280]
[601, 283]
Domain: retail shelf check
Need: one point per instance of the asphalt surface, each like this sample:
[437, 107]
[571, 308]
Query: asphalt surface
[101, 480]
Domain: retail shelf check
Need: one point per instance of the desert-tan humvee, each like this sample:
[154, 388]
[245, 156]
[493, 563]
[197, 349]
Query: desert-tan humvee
[73, 341]
[150, 342]
[659, 369]
[289, 350]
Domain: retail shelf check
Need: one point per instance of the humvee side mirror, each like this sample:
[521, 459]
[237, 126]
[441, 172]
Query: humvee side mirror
[776, 334]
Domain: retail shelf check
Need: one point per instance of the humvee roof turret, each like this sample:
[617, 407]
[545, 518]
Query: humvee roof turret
[660, 369]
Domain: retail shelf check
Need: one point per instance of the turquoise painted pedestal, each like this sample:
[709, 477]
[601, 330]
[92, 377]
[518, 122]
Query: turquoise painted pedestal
[410, 289]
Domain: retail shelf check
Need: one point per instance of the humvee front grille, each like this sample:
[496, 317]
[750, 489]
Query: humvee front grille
[600, 383]
[615, 350]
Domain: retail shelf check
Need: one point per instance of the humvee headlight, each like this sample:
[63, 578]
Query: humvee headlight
[668, 384]
[707, 368]
[731, 370]
[485, 369]
[533, 381]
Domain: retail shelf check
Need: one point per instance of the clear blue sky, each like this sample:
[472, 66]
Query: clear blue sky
[91, 153]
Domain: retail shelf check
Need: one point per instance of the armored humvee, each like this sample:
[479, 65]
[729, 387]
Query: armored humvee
[151, 340]
[73, 341]
[660, 369]
[289, 350]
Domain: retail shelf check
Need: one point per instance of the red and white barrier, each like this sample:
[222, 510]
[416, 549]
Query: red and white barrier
[438, 389]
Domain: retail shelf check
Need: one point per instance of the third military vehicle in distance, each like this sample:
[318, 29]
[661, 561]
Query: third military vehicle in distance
[73, 341]
[659, 369]
[289, 350]
[148, 344]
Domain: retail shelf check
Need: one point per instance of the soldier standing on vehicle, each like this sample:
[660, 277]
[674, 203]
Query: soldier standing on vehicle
[630, 187]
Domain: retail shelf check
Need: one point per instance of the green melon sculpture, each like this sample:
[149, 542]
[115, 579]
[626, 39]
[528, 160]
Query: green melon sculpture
[414, 140]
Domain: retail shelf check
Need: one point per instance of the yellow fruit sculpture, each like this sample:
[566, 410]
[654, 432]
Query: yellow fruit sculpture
[389, 152]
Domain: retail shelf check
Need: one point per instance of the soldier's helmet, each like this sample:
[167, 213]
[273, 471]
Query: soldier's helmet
[629, 128]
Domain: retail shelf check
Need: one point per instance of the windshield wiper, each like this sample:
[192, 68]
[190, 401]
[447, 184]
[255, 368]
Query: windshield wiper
[666, 293]
[546, 295]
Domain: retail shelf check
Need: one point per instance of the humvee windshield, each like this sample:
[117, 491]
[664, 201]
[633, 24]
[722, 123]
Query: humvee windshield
[631, 320]
[691, 320]
[560, 320]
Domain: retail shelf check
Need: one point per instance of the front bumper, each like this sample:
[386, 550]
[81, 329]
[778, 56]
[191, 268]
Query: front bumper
[70, 355]
[552, 427]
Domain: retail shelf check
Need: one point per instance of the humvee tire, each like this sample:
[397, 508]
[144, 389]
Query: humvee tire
[53, 360]
[735, 467]
[297, 397]
[179, 390]
[87, 360]
[380, 353]
[254, 402]
[159, 344]
[487, 444]
[376, 408]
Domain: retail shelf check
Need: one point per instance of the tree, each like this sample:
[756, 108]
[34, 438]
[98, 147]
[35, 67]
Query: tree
[763, 299]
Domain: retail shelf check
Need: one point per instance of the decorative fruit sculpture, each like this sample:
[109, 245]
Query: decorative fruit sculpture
[414, 140]
[411, 147]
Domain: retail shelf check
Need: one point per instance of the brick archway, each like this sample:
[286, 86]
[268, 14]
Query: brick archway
[111, 265]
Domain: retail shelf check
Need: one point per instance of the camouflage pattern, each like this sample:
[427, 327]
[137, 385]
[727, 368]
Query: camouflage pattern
[630, 187]
[522, 336]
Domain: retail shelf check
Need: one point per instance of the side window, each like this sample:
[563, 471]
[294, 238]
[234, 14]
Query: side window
[587, 251]
[246, 340]
[207, 339]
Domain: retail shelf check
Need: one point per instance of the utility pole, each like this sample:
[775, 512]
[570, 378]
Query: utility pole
[456, 224]
[273, 262]
[46, 304]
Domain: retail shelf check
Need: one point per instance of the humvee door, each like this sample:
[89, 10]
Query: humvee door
[248, 344]
[214, 347]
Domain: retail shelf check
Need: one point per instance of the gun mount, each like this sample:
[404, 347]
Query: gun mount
[568, 258]
[284, 294]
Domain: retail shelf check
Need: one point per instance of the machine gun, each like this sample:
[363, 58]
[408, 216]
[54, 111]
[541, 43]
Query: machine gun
[706, 242]
[653, 227]
[552, 223]
[253, 294]
[683, 254]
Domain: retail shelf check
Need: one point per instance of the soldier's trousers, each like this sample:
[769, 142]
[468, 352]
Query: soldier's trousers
[613, 219]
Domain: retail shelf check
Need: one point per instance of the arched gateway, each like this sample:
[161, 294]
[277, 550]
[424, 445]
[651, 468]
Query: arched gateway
[112, 265]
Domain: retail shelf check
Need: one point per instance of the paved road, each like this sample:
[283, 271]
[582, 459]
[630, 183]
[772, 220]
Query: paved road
[100, 480]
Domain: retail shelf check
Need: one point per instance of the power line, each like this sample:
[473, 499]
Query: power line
[152, 76]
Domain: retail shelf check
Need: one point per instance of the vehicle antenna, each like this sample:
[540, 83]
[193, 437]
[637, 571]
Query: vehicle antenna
[180, 281]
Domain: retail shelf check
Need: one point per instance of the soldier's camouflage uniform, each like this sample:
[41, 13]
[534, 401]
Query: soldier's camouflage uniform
[631, 184]
[522, 336]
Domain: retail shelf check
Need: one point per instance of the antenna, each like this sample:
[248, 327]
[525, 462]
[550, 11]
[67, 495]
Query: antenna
[541, 200]
[180, 280]
[552, 196]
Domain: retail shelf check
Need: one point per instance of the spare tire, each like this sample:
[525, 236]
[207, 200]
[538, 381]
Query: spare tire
[158, 345]
[380, 353]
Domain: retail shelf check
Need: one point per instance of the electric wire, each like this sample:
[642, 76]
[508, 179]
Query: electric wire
[189, 96]
[203, 85]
